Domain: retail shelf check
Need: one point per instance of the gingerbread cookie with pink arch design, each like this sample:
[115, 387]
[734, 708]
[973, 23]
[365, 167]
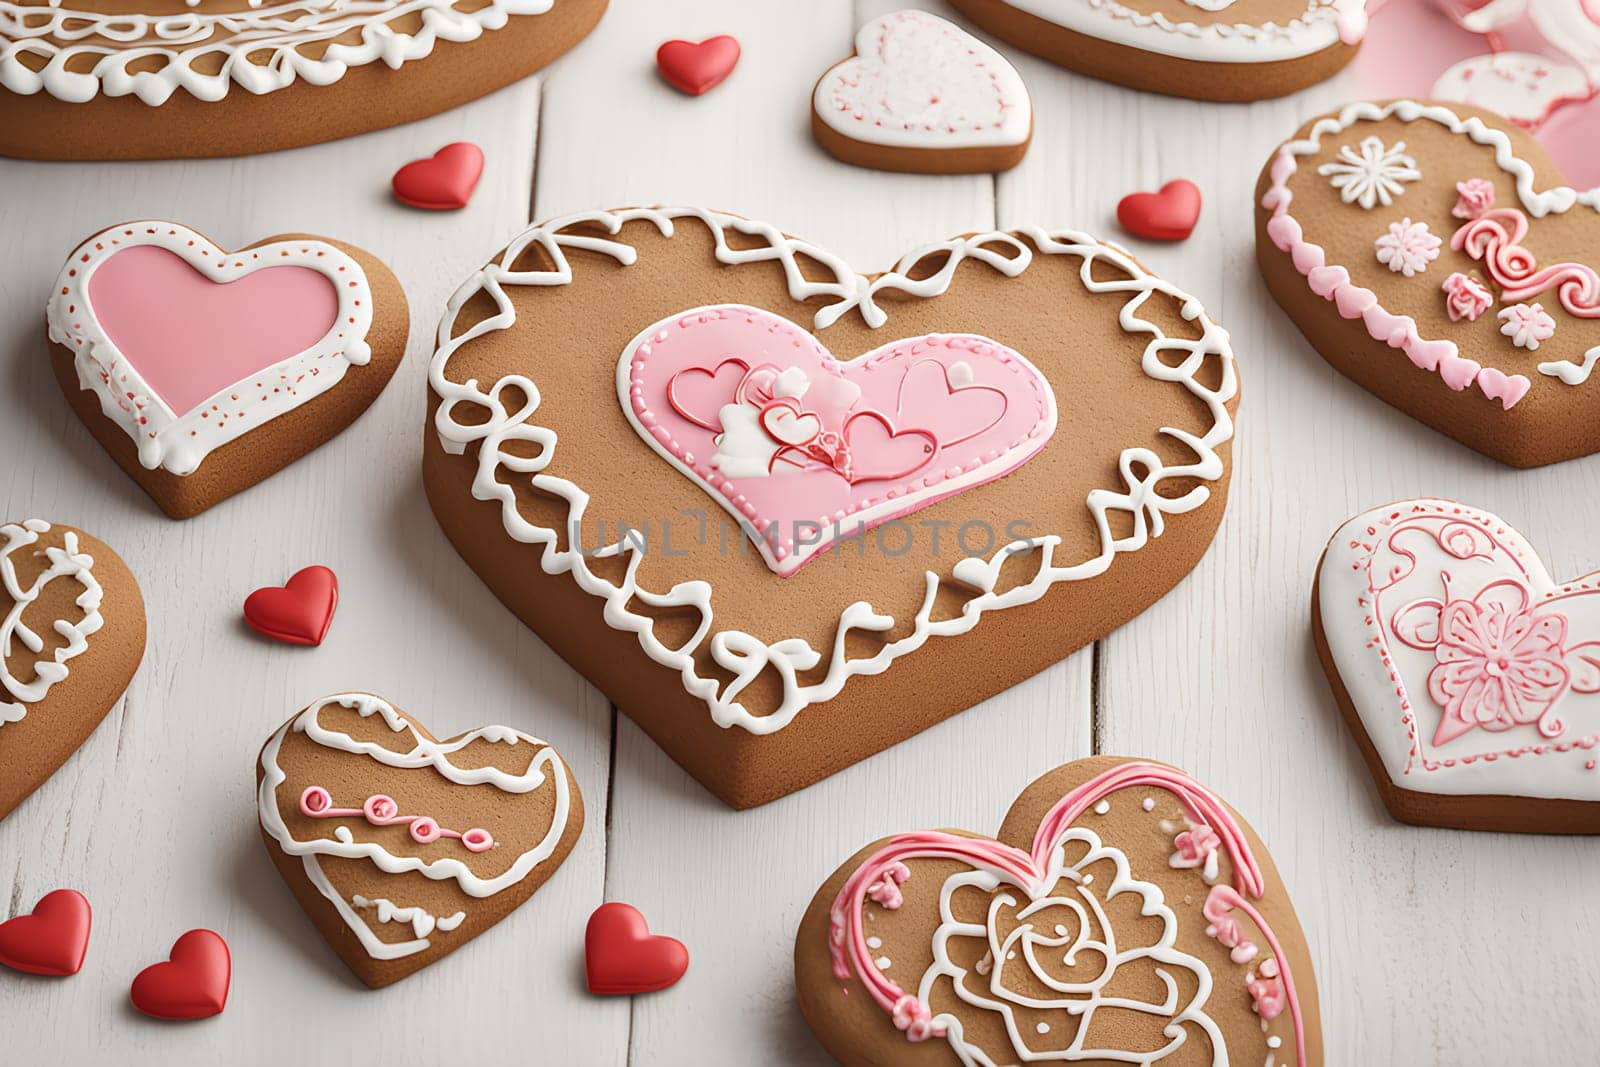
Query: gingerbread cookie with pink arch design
[1469, 677]
[1124, 913]
[1433, 255]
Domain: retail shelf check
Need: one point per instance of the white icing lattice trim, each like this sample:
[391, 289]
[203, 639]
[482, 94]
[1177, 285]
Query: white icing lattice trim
[92, 52]
[179, 442]
[744, 655]
[65, 562]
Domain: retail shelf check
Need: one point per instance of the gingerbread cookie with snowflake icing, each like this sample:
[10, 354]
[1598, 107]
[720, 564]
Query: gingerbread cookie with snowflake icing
[72, 634]
[1468, 676]
[158, 79]
[1201, 49]
[400, 846]
[736, 483]
[921, 94]
[204, 370]
[1124, 913]
[1433, 256]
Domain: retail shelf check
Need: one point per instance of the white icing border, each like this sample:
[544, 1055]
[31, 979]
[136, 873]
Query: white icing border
[279, 30]
[970, 60]
[1324, 24]
[435, 754]
[744, 655]
[65, 562]
[1557, 200]
[177, 443]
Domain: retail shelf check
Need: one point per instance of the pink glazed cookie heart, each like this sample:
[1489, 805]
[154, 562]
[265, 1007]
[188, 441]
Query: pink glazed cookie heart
[802, 449]
[1467, 674]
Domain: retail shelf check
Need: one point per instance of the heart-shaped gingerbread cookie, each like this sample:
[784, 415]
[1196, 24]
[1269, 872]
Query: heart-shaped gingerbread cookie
[1432, 255]
[1467, 675]
[203, 371]
[401, 847]
[923, 95]
[1123, 914]
[72, 633]
[734, 482]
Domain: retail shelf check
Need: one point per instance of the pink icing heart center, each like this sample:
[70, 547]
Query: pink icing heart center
[803, 449]
[189, 338]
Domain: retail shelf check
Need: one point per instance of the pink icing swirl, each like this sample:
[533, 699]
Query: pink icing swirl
[1495, 238]
[380, 810]
[1465, 298]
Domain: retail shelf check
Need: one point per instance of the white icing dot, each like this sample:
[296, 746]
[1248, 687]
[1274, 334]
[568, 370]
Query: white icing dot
[1148, 804]
[874, 942]
[1088, 879]
[1011, 955]
[1274, 1041]
[1102, 807]
[883, 963]
[1043, 1028]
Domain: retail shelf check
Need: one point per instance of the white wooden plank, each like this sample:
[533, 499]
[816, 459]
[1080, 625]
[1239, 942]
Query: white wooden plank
[153, 818]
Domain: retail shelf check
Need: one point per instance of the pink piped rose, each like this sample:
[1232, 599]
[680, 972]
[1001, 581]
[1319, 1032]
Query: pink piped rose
[1465, 297]
[1474, 197]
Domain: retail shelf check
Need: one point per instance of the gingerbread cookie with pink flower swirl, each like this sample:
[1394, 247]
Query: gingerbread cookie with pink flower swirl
[1124, 913]
[1433, 254]
[1469, 677]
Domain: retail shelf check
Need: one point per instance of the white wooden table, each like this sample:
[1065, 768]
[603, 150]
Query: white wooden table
[1431, 946]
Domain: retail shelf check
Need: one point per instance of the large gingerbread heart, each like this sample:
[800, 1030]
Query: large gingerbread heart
[1123, 914]
[203, 370]
[72, 634]
[1432, 255]
[1202, 49]
[736, 483]
[1466, 673]
[152, 79]
[401, 847]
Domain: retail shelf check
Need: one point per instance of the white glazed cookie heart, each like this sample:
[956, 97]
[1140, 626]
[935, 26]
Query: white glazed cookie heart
[402, 847]
[920, 82]
[1124, 913]
[1471, 676]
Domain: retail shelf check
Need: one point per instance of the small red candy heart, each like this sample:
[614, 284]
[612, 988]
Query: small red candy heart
[192, 984]
[622, 956]
[443, 183]
[300, 612]
[697, 68]
[1168, 215]
[52, 940]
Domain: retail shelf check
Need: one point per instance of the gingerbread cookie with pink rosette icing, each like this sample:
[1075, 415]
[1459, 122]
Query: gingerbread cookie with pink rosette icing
[785, 514]
[1124, 913]
[1432, 254]
[1468, 676]
[401, 846]
[204, 370]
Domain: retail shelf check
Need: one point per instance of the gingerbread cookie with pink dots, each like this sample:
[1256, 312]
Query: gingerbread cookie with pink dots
[1124, 913]
[1434, 256]
[921, 94]
[203, 370]
[402, 847]
[1467, 674]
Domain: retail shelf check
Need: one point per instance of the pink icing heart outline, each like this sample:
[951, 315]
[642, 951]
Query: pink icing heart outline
[846, 490]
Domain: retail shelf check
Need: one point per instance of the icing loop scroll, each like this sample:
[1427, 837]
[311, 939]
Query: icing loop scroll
[66, 562]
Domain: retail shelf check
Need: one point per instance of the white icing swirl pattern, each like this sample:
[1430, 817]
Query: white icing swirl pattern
[1323, 24]
[64, 562]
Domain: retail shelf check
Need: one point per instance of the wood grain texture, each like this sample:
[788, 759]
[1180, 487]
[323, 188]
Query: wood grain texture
[1420, 937]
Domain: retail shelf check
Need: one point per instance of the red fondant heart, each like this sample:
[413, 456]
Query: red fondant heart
[50, 941]
[192, 984]
[697, 68]
[622, 956]
[1168, 215]
[298, 613]
[442, 183]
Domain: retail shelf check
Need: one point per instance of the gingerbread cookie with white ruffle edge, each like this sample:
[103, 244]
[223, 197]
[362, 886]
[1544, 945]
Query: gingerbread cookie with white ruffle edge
[1123, 914]
[402, 847]
[1467, 675]
[203, 371]
[1433, 256]
[1201, 49]
[164, 79]
[72, 634]
[923, 95]
[784, 514]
